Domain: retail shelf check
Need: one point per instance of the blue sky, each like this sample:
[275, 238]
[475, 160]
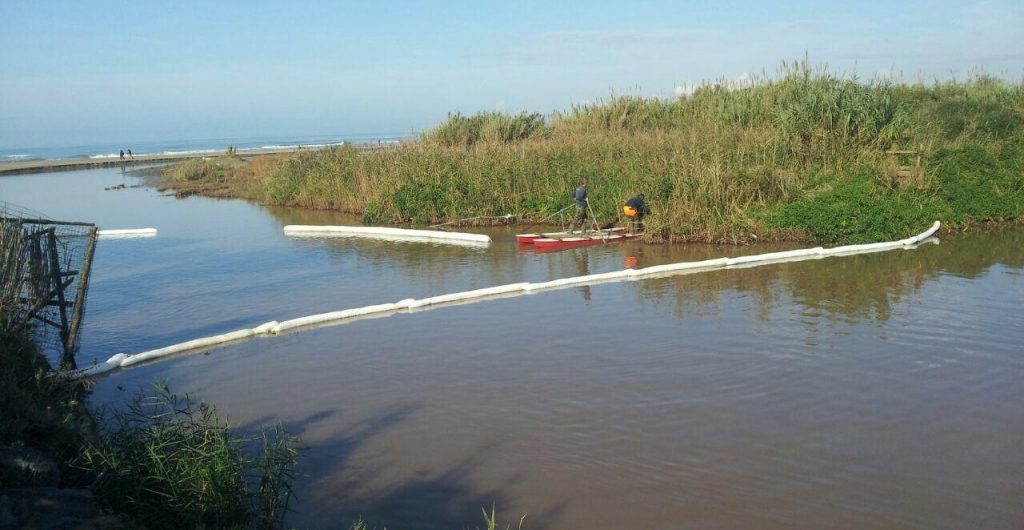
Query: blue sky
[95, 72]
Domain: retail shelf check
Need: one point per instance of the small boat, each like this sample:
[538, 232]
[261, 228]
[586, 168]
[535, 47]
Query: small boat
[526, 239]
[558, 243]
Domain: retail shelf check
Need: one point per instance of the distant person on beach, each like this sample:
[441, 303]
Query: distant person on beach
[130, 155]
[635, 210]
[582, 205]
[122, 155]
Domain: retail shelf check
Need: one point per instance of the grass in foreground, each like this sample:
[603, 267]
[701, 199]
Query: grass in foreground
[166, 462]
[38, 410]
[172, 463]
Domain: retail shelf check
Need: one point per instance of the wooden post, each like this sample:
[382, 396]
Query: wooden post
[83, 284]
[68, 359]
[35, 263]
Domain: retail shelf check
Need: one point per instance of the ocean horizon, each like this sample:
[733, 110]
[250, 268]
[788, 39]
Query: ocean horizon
[250, 145]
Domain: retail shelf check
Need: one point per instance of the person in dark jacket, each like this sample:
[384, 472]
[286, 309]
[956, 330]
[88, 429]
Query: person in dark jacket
[582, 205]
[635, 210]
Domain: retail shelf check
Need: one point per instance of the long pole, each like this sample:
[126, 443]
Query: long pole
[542, 219]
[597, 227]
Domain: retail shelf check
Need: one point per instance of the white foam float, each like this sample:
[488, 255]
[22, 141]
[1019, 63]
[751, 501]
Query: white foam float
[780, 257]
[123, 359]
[126, 233]
[463, 296]
[388, 234]
[323, 318]
[501, 291]
[668, 269]
[773, 256]
[927, 233]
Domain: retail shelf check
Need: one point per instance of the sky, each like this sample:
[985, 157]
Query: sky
[74, 73]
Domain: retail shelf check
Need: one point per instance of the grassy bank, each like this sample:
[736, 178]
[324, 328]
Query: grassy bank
[162, 463]
[165, 462]
[801, 155]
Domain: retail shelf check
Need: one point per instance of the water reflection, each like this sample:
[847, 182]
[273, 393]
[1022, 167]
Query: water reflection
[859, 287]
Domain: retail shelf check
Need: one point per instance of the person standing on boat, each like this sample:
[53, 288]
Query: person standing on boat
[635, 209]
[582, 205]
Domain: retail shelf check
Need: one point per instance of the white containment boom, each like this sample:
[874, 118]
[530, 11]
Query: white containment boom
[490, 293]
[126, 233]
[388, 233]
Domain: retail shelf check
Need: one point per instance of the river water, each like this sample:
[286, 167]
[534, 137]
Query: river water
[870, 391]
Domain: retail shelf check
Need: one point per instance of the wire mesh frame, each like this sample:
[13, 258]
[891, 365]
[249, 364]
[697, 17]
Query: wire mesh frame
[44, 279]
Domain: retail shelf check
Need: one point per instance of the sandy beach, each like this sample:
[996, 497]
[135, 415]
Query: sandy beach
[38, 166]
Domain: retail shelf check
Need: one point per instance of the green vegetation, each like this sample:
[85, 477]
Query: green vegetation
[488, 127]
[165, 462]
[171, 463]
[202, 169]
[38, 411]
[804, 155]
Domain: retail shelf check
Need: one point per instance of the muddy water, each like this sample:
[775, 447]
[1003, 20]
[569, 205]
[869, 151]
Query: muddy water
[871, 391]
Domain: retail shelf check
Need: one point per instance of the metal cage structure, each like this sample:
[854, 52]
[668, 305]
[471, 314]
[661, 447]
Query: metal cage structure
[44, 278]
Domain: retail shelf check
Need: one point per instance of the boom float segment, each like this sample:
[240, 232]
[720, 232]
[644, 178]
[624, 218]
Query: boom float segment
[387, 233]
[126, 233]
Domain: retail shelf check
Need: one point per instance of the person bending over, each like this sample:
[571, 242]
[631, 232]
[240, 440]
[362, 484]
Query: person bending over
[636, 209]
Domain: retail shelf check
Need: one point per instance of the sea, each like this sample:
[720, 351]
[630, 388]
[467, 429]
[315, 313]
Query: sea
[203, 146]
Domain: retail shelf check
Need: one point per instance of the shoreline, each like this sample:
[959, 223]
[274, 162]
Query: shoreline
[71, 164]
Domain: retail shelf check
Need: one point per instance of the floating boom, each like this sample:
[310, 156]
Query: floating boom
[388, 233]
[501, 291]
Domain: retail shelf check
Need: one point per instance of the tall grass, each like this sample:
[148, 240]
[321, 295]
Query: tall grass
[172, 463]
[722, 165]
[466, 131]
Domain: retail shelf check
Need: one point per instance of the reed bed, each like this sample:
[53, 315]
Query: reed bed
[801, 155]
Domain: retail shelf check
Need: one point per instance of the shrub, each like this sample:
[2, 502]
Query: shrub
[855, 211]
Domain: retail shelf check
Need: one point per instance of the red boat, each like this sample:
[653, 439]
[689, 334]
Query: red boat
[558, 243]
[526, 239]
